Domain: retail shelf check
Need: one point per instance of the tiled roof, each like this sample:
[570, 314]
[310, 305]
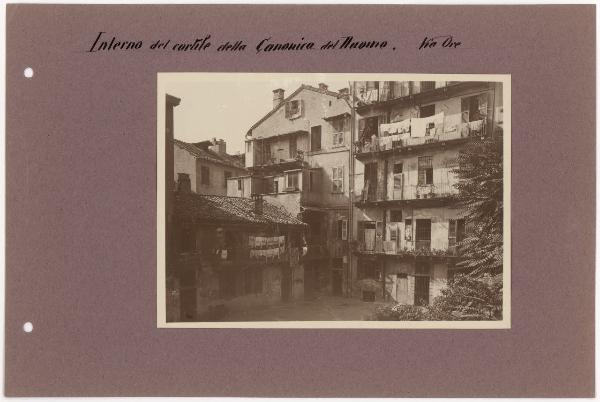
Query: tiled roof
[222, 209]
[211, 156]
[296, 92]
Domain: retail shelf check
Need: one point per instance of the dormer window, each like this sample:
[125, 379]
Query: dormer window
[293, 109]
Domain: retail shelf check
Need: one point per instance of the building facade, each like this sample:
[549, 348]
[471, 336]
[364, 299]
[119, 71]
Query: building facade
[406, 225]
[298, 156]
[208, 165]
[231, 253]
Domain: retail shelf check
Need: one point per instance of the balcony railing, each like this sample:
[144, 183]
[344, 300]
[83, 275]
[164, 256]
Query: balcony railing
[439, 134]
[279, 158]
[422, 248]
[423, 244]
[412, 192]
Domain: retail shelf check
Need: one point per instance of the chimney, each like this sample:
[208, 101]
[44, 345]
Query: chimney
[278, 95]
[344, 93]
[218, 146]
[323, 87]
[258, 204]
[183, 183]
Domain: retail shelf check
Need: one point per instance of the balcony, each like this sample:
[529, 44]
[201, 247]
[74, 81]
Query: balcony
[422, 249]
[427, 91]
[279, 162]
[440, 135]
[423, 194]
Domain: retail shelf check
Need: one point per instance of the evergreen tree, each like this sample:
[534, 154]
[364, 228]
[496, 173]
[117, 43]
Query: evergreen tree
[480, 194]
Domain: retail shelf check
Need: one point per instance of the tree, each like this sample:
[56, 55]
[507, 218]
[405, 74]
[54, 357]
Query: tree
[480, 194]
[468, 298]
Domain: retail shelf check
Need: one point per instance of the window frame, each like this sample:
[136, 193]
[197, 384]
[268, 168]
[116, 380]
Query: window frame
[337, 179]
[424, 170]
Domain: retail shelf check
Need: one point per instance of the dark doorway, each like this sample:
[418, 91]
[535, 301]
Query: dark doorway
[421, 290]
[315, 138]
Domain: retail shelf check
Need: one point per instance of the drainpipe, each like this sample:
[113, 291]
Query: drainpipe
[352, 85]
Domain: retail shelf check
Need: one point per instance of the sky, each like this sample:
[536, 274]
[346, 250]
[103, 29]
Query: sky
[226, 108]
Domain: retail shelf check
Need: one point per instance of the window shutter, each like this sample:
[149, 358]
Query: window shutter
[344, 229]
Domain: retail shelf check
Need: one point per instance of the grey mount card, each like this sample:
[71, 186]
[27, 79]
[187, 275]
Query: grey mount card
[300, 200]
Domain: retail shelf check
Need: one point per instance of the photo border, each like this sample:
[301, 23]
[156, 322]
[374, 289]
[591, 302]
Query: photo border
[164, 77]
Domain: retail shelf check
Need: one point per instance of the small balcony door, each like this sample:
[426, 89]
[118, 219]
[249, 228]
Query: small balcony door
[423, 234]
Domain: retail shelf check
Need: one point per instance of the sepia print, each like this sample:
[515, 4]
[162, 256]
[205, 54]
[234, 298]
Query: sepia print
[333, 200]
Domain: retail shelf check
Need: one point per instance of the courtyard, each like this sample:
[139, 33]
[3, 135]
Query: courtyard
[322, 308]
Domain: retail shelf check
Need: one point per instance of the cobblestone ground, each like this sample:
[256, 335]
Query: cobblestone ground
[323, 308]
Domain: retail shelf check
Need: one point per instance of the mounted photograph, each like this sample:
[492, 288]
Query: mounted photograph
[333, 200]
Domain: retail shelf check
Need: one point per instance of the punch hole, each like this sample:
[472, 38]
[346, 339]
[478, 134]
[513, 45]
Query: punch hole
[28, 327]
[28, 73]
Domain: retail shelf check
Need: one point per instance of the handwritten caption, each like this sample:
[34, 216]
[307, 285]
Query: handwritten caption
[106, 43]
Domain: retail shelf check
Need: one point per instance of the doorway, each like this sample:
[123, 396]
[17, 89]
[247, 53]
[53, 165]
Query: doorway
[421, 290]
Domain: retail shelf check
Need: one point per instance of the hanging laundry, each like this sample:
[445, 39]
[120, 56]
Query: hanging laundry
[418, 127]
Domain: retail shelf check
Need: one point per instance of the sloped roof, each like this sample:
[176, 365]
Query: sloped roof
[211, 156]
[296, 92]
[338, 109]
[221, 209]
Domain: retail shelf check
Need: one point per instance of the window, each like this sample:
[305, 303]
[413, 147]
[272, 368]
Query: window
[396, 215]
[338, 139]
[226, 176]
[456, 232]
[204, 175]
[292, 181]
[275, 185]
[337, 179]
[474, 108]
[368, 127]
[393, 233]
[239, 184]
[408, 229]
[427, 86]
[315, 138]
[342, 229]
[293, 109]
[397, 176]
[423, 234]
[427, 111]
[340, 126]
[425, 170]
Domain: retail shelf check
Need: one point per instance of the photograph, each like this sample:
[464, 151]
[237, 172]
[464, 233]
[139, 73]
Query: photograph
[333, 200]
